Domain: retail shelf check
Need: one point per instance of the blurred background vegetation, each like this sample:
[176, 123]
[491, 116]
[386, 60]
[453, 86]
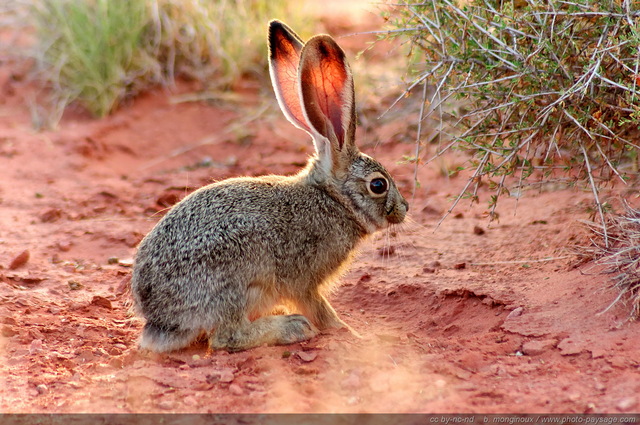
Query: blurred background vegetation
[97, 53]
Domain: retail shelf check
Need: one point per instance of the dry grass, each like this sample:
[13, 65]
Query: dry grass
[621, 257]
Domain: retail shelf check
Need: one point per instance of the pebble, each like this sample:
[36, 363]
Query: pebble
[477, 230]
[8, 331]
[165, 405]
[20, 260]
[126, 262]
[42, 389]
[36, 346]
[51, 215]
[236, 389]
[626, 404]
[226, 376]
[190, 401]
[307, 356]
[64, 246]
[515, 312]
[101, 302]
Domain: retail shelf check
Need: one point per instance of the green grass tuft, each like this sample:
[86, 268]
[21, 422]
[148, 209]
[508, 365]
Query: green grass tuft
[97, 53]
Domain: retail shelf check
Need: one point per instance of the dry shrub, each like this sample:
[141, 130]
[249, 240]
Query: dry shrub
[552, 87]
[621, 257]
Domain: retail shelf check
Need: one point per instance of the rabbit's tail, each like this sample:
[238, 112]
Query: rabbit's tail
[161, 338]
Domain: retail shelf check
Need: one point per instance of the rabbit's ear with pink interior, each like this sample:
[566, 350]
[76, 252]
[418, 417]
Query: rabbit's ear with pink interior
[284, 57]
[327, 94]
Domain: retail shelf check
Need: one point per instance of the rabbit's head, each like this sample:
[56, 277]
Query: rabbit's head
[314, 87]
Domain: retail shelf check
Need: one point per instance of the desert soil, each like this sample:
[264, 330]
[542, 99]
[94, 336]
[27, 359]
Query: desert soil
[470, 316]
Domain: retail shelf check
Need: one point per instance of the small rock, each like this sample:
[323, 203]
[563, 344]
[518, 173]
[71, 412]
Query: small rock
[85, 356]
[575, 396]
[428, 270]
[126, 262]
[99, 301]
[113, 260]
[626, 404]
[65, 246]
[190, 401]
[42, 389]
[74, 285]
[116, 363]
[167, 199]
[36, 346]
[460, 266]
[286, 354]
[236, 389]
[20, 260]
[51, 215]
[366, 277]
[307, 356]
[8, 331]
[477, 230]
[515, 312]
[226, 376]
[75, 385]
[165, 405]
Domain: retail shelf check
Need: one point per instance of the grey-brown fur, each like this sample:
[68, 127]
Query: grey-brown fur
[226, 255]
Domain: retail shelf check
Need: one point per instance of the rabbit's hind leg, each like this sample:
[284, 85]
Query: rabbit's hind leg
[268, 330]
[162, 338]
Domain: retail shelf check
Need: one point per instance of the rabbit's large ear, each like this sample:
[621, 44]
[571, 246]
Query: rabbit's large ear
[284, 57]
[326, 90]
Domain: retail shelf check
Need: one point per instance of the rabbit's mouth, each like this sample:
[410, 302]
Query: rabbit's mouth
[397, 213]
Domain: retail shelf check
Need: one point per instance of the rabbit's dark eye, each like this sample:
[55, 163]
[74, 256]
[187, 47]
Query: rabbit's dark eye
[378, 186]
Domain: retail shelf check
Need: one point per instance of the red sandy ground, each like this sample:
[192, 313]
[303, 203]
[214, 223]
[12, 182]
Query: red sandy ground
[443, 331]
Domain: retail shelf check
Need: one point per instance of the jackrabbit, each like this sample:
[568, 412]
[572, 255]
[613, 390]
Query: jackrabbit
[225, 256]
